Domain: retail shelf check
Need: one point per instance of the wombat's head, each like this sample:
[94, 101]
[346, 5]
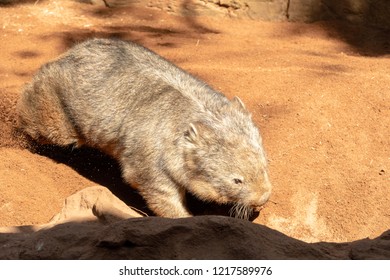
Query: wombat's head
[225, 161]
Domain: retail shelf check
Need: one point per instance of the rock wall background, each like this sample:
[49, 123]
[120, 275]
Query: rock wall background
[368, 12]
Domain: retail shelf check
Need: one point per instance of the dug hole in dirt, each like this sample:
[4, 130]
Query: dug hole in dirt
[322, 104]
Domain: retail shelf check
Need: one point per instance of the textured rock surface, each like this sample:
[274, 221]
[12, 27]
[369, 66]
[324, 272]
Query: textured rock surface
[94, 224]
[93, 203]
[368, 12]
[207, 237]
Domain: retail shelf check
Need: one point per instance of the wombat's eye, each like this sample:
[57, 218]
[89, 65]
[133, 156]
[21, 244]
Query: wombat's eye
[237, 181]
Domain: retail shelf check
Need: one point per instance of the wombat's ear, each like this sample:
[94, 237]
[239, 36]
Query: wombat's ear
[191, 133]
[237, 102]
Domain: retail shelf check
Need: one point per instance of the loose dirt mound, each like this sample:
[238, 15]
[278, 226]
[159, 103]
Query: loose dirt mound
[319, 93]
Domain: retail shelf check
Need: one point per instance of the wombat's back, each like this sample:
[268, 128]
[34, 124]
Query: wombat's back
[100, 84]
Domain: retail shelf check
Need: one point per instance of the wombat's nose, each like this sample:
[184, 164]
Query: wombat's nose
[267, 187]
[259, 199]
[265, 197]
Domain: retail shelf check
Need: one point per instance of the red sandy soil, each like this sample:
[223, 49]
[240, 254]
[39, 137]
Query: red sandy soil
[320, 94]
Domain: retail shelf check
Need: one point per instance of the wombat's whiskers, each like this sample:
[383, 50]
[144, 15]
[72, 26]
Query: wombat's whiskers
[241, 211]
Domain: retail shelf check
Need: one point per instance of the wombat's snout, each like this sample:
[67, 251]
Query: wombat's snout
[262, 194]
[254, 202]
[264, 198]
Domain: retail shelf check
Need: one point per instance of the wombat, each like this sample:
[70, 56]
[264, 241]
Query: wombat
[170, 132]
